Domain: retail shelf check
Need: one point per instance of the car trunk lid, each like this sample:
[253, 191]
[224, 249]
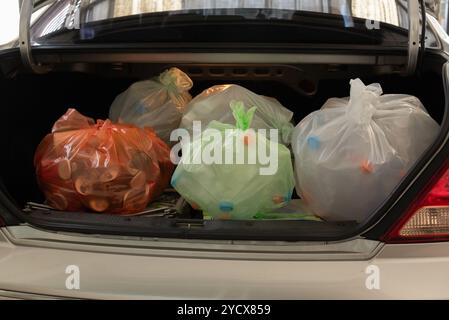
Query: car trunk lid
[405, 16]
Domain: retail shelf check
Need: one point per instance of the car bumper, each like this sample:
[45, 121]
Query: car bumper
[412, 271]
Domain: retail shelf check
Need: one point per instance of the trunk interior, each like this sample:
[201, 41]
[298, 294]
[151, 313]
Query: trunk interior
[34, 102]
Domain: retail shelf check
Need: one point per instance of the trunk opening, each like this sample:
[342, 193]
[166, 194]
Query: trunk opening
[37, 101]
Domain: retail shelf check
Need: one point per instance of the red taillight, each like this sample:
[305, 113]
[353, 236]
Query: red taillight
[427, 219]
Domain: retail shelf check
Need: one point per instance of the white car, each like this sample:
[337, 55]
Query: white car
[84, 53]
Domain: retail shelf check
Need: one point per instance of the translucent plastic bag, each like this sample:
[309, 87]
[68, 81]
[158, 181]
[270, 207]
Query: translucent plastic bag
[213, 104]
[102, 167]
[351, 154]
[234, 190]
[157, 103]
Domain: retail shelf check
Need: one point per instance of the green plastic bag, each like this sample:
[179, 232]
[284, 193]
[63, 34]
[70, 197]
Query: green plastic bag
[255, 174]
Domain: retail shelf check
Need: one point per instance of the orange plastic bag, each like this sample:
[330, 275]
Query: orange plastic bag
[103, 167]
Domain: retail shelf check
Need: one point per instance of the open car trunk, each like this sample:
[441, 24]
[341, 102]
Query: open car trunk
[32, 103]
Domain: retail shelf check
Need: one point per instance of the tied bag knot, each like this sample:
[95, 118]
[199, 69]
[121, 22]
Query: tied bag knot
[361, 106]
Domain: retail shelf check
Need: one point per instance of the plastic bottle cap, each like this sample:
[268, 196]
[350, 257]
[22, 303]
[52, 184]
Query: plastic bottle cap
[246, 140]
[313, 142]
[366, 167]
[226, 206]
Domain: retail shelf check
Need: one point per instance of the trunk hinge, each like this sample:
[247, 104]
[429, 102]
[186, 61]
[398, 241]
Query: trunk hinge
[416, 35]
[26, 10]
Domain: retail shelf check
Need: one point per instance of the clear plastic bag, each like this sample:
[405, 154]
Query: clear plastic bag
[213, 104]
[234, 190]
[351, 154]
[101, 167]
[157, 103]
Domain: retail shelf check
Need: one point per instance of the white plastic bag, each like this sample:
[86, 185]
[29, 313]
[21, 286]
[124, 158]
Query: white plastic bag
[157, 103]
[213, 104]
[351, 154]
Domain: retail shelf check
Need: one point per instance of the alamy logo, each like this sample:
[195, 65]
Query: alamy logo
[372, 24]
[72, 282]
[372, 281]
[228, 145]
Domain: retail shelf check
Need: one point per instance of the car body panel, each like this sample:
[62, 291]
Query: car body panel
[420, 269]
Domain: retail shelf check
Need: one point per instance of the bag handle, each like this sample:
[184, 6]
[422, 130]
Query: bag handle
[362, 100]
[175, 79]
